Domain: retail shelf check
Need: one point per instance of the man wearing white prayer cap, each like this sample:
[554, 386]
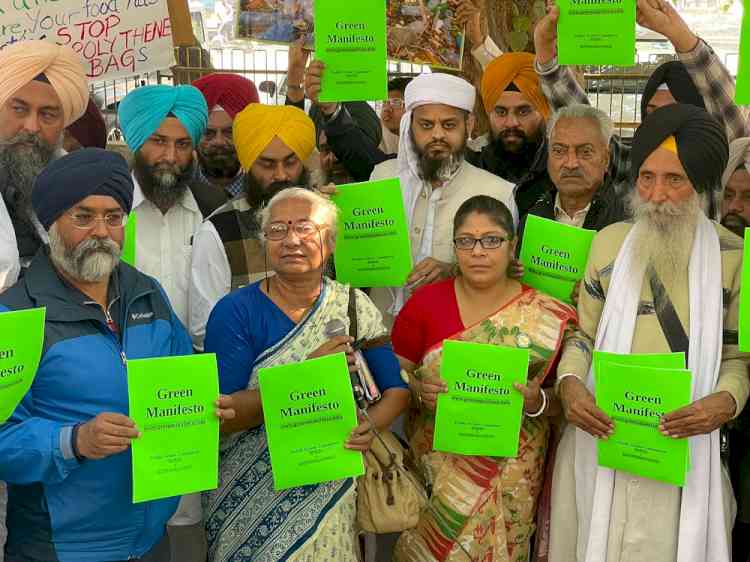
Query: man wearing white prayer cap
[435, 177]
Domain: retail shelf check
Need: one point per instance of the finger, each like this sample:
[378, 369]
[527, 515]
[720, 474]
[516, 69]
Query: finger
[224, 401]
[226, 413]
[601, 417]
[678, 426]
[116, 419]
[358, 446]
[118, 431]
[676, 415]
[594, 424]
[434, 388]
[112, 441]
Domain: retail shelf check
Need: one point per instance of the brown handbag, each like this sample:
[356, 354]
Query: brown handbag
[389, 495]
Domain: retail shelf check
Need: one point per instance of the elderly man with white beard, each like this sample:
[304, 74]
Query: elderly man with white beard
[669, 281]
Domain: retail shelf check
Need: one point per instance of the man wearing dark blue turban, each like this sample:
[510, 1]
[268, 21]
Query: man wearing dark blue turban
[64, 452]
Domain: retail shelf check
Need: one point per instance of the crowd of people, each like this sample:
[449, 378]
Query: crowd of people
[226, 207]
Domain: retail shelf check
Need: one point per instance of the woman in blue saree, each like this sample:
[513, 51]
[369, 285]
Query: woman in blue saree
[279, 320]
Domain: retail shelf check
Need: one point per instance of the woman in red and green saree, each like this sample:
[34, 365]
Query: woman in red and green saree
[481, 508]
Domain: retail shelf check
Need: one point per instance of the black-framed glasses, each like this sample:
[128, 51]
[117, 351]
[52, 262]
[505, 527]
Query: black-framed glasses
[304, 229]
[468, 243]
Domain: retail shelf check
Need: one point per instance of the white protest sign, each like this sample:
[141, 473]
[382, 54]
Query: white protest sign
[114, 38]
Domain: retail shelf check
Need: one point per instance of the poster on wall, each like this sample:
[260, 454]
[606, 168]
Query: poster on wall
[419, 31]
[115, 38]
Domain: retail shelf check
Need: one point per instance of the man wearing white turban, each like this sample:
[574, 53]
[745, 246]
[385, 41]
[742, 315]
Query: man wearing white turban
[435, 177]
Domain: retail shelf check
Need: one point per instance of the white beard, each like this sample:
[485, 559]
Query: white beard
[663, 237]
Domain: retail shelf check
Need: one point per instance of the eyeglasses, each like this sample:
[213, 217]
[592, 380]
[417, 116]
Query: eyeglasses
[87, 221]
[468, 243]
[394, 103]
[304, 229]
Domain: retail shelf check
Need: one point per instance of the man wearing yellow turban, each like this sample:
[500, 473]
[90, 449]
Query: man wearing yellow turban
[43, 89]
[273, 142]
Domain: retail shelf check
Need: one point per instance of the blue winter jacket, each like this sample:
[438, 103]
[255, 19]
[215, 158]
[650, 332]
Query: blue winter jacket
[60, 509]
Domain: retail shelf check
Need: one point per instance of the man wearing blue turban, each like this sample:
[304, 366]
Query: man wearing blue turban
[162, 126]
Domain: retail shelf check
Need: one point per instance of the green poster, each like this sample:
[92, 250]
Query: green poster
[20, 351]
[373, 247]
[309, 412]
[172, 404]
[596, 32]
[742, 95]
[350, 38]
[636, 397]
[481, 412]
[744, 320]
[128, 246]
[554, 256]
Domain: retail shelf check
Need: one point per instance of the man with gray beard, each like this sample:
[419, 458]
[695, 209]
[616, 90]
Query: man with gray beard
[667, 282]
[65, 451]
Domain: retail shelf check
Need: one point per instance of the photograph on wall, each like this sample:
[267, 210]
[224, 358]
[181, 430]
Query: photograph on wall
[425, 32]
[275, 21]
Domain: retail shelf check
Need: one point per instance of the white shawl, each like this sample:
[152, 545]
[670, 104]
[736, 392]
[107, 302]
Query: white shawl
[702, 534]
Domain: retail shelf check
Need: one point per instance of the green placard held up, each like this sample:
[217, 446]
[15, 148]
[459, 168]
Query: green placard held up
[554, 256]
[172, 404]
[596, 32]
[128, 246]
[744, 321]
[742, 94]
[309, 412]
[481, 412]
[635, 397]
[20, 351]
[350, 38]
[372, 247]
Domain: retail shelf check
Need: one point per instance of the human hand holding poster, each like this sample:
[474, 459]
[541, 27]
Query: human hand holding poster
[172, 404]
[350, 38]
[481, 412]
[20, 351]
[554, 256]
[309, 412]
[636, 391]
[114, 38]
[372, 247]
[596, 32]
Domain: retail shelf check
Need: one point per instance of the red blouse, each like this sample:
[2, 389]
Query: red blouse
[428, 317]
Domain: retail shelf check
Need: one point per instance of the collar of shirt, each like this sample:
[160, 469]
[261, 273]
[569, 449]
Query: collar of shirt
[187, 201]
[562, 216]
[233, 189]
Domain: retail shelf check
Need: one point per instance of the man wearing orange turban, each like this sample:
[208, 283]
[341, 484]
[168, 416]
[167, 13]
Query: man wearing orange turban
[43, 89]
[517, 111]
[273, 142]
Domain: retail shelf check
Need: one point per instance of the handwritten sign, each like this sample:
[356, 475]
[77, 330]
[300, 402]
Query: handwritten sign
[113, 37]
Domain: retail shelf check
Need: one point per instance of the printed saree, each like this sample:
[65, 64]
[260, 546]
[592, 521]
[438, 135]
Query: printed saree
[482, 509]
[246, 519]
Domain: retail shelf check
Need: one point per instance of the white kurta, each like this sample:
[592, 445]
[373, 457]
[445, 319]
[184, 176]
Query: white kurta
[164, 251]
[9, 264]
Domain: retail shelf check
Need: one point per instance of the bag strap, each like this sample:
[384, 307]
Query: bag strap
[352, 312]
[668, 320]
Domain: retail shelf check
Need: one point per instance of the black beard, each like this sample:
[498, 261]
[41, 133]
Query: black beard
[21, 164]
[218, 163]
[516, 162]
[163, 194]
[258, 196]
[736, 223]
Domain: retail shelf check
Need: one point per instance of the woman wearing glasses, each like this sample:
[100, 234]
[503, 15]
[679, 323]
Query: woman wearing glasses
[278, 320]
[492, 501]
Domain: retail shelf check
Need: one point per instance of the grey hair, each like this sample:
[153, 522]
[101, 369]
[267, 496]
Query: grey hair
[323, 212]
[583, 111]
